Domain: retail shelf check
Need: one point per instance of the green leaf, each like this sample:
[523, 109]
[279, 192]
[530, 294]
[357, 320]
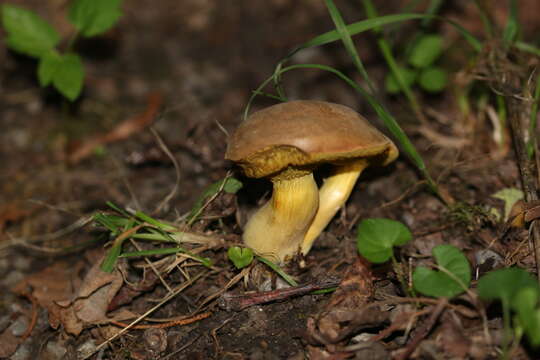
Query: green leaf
[93, 17]
[241, 257]
[504, 284]
[440, 283]
[27, 33]
[391, 84]
[377, 237]
[68, 75]
[525, 305]
[109, 262]
[230, 185]
[433, 79]
[48, 64]
[510, 196]
[426, 50]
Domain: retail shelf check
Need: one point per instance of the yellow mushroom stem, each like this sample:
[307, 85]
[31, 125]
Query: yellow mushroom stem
[333, 194]
[277, 229]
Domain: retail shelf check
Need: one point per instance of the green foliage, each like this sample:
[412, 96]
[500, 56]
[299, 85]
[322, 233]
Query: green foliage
[65, 72]
[433, 79]
[376, 238]
[392, 85]
[510, 196]
[525, 305]
[452, 278]
[241, 257]
[425, 51]
[229, 184]
[123, 226]
[93, 17]
[504, 284]
[517, 290]
[29, 34]
[278, 271]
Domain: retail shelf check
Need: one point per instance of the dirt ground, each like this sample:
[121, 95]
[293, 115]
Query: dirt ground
[178, 75]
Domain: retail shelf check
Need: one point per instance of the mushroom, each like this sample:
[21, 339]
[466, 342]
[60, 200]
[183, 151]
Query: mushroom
[286, 143]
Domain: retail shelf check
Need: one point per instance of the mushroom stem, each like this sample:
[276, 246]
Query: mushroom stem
[333, 194]
[277, 229]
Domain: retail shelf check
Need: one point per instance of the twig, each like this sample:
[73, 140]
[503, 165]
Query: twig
[186, 321]
[176, 164]
[214, 331]
[140, 318]
[233, 302]
[33, 320]
[509, 83]
[424, 330]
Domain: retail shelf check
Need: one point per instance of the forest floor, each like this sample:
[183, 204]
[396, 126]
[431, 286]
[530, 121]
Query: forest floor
[163, 90]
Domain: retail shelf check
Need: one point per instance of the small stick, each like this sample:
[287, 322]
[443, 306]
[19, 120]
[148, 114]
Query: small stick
[178, 322]
[422, 332]
[233, 302]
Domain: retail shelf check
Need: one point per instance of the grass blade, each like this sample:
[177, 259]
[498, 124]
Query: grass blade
[278, 271]
[389, 121]
[511, 29]
[347, 41]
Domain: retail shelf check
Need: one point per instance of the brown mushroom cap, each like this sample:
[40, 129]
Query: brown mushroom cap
[305, 133]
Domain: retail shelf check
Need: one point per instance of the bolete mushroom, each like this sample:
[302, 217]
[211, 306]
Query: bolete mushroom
[286, 143]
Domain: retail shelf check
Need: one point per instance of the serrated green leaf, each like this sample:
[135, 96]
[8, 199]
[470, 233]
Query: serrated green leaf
[504, 284]
[426, 50]
[241, 257]
[377, 237]
[510, 196]
[48, 65]
[433, 79]
[391, 84]
[69, 75]
[27, 33]
[93, 17]
[438, 283]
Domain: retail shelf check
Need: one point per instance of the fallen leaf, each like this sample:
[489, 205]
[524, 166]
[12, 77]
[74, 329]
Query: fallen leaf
[72, 302]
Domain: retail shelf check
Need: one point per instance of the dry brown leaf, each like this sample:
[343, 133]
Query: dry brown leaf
[72, 302]
[8, 343]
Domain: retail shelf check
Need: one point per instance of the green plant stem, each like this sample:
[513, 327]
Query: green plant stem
[386, 51]
[506, 328]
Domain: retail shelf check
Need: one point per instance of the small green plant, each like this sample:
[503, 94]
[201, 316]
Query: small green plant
[452, 278]
[376, 238]
[29, 34]
[518, 291]
[423, 71]
[123, 226]
[229, 185]
[240, 257]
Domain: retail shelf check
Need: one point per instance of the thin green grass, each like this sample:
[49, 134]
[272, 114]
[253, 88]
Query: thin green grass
[278, 270]
[386, 51]
[512, 27]
[344, 33]
[139, 226]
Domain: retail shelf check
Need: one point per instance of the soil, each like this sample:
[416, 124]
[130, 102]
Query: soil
[179, 76]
